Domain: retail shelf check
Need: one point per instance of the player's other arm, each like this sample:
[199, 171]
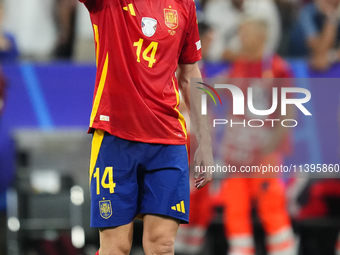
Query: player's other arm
[203, 155]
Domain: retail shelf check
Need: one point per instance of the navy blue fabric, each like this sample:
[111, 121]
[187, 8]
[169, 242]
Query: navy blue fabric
[148, 178]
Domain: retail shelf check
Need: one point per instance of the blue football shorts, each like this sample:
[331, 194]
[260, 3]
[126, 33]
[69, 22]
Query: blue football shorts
[130, 179]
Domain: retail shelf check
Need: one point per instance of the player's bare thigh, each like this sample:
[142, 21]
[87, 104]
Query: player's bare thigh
[117, 240]
[159, 234]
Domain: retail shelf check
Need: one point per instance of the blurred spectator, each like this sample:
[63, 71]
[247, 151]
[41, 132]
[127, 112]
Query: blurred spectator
[66, 10]
[206, 36]
[44, 29]
[318, 33]
[2, 93]
[32, 24]
[306, 1]
[8, 48]
[201, 4]
[288, 10]
[225, 15]
[248, 146]
[2, 189]
[200, 8]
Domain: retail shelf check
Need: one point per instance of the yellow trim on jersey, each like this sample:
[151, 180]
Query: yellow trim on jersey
[132, 10]
[99, 90]
[96, 38]
[180, 116]
[97, 140]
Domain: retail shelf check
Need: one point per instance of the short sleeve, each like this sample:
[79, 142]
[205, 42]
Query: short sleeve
[269, 11]
[191, 50]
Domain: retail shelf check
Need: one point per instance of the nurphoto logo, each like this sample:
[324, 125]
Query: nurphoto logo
[239, 104]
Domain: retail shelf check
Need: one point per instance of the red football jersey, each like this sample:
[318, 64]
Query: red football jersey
[139, 44]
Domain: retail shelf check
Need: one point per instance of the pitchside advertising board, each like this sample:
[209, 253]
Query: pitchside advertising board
[270, 127]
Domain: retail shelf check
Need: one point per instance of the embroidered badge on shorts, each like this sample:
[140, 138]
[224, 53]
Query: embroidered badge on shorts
[105, 208]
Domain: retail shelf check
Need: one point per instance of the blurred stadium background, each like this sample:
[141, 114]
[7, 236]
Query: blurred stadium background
[48, 73]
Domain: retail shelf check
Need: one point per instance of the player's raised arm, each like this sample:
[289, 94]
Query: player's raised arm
[203, 155]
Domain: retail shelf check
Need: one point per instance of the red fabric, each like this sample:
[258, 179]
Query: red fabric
[317, 205]
[66, 247]
[97, 253]
[48, 247]
[139, 101]
[201, 207]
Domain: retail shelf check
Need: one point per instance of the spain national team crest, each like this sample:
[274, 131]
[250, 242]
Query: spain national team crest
[105, 209]
[149, 26]
[171, 18]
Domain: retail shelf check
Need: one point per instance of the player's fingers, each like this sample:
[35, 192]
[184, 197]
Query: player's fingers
[198, 184]
[198, 181]
[203, 183]
[199, 178]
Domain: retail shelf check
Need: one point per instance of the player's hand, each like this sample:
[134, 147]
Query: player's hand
[203, 158]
